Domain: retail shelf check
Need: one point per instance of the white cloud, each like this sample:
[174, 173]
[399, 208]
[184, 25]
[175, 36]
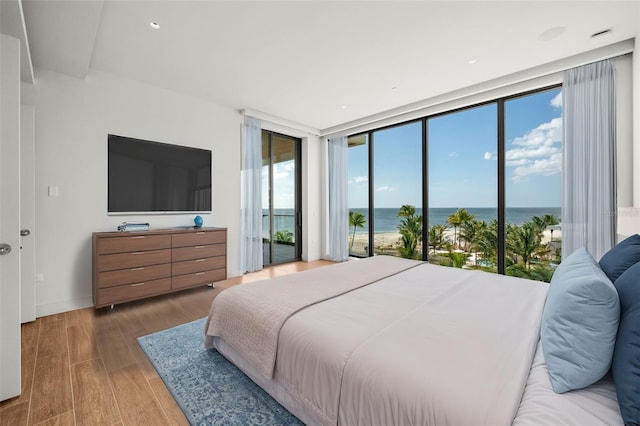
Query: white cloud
[283, 170]
[385, 188]
[359, 179]
[545, 134]
[453, 154]
[489, 156]
[556, 102]
[537, 152]
[545, 167]
[541, 151]
[520, 162]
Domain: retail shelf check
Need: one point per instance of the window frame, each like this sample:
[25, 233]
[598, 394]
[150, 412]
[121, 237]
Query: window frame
[501, 170]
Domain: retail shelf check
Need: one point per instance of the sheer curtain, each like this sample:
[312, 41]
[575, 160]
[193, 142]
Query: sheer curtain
[338, 209]
[589, 152]
[251, 196]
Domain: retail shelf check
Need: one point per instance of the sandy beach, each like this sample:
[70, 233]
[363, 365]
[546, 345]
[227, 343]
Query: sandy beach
[390, 241]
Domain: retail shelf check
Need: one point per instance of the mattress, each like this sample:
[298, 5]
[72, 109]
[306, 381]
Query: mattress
[595, 405]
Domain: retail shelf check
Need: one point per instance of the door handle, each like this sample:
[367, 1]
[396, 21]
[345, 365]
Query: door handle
[24, 232]
[5, 249]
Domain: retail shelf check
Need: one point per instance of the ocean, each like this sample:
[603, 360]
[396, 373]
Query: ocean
[386, 219]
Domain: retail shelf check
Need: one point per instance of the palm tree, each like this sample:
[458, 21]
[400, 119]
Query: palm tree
[410, 230]
[487, 242]
[539, 222]
[437, 236]
[458, 218]
[551, 219]
[525, 241]
[357, 220]
[458, 259]
[545, 221]
[471, 232]
[455, 220]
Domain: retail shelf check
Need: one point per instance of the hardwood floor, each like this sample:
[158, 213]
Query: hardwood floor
[85, 367]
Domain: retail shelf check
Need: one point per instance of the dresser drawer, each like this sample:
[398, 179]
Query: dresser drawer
[198, 238]
[133, 275]
[109, 262]
[134, 291]
[198, 265]
[134, 242]
[197, 278]
[198, 252]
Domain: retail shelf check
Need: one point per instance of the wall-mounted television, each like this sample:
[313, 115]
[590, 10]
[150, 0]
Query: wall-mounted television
[153, 177]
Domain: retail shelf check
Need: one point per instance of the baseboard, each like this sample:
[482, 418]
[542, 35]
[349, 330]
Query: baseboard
[63, 306]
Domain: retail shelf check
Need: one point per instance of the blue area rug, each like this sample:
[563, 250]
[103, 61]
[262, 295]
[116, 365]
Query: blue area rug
[209, 389]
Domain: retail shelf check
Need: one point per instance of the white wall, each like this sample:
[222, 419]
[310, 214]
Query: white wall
[73, 118]
[311, 198]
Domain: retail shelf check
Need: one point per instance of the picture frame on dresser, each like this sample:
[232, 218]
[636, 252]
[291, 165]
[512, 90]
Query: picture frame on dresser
[134, 265]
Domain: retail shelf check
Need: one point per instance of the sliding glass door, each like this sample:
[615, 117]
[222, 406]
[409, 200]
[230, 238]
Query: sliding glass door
[281, 215]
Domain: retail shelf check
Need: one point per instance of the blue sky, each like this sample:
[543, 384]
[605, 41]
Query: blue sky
[462, 158]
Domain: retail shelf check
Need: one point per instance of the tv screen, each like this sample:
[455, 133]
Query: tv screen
[147, 177]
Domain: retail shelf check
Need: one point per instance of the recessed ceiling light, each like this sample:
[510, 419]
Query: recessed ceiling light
[601, 33]
[343, 107]
[551, 33]
[154, 25]
[472, 61]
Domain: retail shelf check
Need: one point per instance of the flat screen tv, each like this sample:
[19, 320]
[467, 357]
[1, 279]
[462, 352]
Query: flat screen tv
[154, 177]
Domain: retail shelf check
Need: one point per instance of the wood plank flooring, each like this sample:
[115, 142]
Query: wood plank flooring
[85, 367]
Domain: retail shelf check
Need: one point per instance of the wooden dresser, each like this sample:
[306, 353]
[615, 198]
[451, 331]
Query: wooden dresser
[134, 265]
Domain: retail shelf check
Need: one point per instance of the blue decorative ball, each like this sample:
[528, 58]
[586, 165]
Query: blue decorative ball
[198, 221]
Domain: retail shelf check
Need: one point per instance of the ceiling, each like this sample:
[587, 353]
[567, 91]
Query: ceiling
[317, 63]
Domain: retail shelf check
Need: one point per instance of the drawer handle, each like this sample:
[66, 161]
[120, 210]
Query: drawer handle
[198, 247]
[200, 260]
[200, 273]
[137, 252]
[200, 233]
[139, 236]
[137, 285]
[137, 269]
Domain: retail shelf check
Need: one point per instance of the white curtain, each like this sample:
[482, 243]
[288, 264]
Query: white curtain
[589, 153]
[251, 196]
[338, 249]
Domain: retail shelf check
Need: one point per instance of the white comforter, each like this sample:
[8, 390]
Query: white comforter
[249, 316]
[430, 345]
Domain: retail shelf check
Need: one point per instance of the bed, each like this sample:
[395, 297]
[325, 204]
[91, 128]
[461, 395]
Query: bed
[384, 340]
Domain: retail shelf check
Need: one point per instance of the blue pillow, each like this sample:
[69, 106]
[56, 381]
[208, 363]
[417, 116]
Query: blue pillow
[579, 323]
[626, 355]
[620, 258]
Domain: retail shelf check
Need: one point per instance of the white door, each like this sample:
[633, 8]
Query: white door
[27, 214]
[9, 217]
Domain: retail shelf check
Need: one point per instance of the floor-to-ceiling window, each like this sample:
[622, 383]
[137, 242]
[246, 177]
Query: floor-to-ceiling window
[462, 187]
[488, 175]
[533, 182]
[397, 190]
[281, 218]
